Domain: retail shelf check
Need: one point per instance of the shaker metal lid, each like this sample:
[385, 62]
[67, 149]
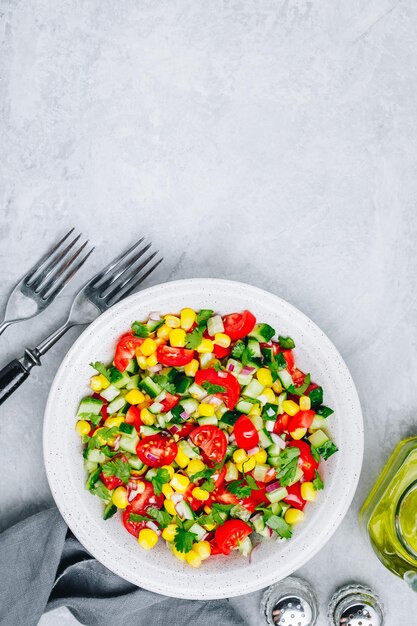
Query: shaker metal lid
[355, 605]
[291, 602]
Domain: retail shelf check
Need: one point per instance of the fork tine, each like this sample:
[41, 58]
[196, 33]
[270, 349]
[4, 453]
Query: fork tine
[120, 294]
[113, 263]
[122, 268]
[67, 277]
[127, 277]
[36, 284]
[42, 260]
[59, 270]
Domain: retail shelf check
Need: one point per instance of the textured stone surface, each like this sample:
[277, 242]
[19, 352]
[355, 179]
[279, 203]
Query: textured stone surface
[268, 142]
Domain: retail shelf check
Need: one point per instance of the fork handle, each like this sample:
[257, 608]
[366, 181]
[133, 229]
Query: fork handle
[16, 372]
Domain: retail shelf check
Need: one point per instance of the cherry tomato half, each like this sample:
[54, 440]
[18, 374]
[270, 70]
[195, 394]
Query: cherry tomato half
[133, 528]
[224, 496]
[281, 424]
[133, 417]
[174, 357]
[111, 482]
[302, 419]
[224, 379]
[294, 496]
[256, 498]
[230, 534]
[185, 430]
[289, 358]
[245, 432]
[157, 450]
[169, 402]
[238, 325]
[306, 461]
[147, 498]
[212, 442]
[220, 352]
[125, 350]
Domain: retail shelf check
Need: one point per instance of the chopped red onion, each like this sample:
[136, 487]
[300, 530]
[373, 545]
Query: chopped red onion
[253, 450]
[254, 549]
[272, 486]
[155, 316]
[247, 370]
[174, 428]
[184, 415]
[277, 439]
[155, 368]
[230, 367]
[152, 457]
[116, 443]
[153, 526]
[177, 497]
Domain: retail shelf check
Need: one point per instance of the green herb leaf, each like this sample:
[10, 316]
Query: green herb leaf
[327, 449]
[210, 388]
[287, 465]
[91, 417]
[101, 369]
[218, 509]
[299, 391]
[315, 454]
[163, 518]
[140, 330]
[163, 381]
[100, 490]
[208, 485]
[184, 539]
[217, 366]
[247, 357]
[286, 342]
[251, 482]
[193, 339]
[238, 349]
[104, 434]
[317, 482]
[160, 478]
[204, 315]
[239, 488]
[205, 473]
[280, 526]
[135, 517]
[118, 468]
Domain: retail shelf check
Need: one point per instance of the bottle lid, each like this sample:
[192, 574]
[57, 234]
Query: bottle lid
[291, 602]
[355, 605]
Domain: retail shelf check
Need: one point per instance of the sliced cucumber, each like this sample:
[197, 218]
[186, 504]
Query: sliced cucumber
[132, 367]
[236, 365]
[110, 393]
[231, 472]
[274, 450]
[211, 420]
[244, 406]
[146, 431]
[255, 348]
[116, 405]
[184, 510]
[188, 449]
[109, 510]
[197, 392]
[118, 379]
[276, 508]
[155, 408]
[318, 422]
[96, 456]
[135, 462]
[298, 474]
[244, 379]
[282, 396]
[258, 524]
[90, 405]
[126, 428]
[265, 438]
[215, 325]
[254, 389]
[133, 382]
[199, 531]
[150, 387]
[262, 332]
[257, 421]
[245, 547]
[129, 443]
[189, 405]
[277, 495]
[285, 378]
[93, 476]
[260, 472]
[89, 466]
[318, 438]
[240, 512]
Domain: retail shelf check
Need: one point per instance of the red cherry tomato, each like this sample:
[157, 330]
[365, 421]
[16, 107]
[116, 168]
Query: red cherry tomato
[224, 496]
[111, 482]
[193, 502]
[245, 432]
[147, 498]
[294, 497]
[169, 402]
[185, 430]
[157, 450]
[212, 442]
[133, 528]
[306, 461]
[298, 377]
[289, 357]
[302, 419]
[125, 350]
[214, 548]
[174, 357]
[256, 498]
[219, 477]
[230, 534]
[133, 417]
[238, 325]
[281, 424]
[220, 352]
[224, 379]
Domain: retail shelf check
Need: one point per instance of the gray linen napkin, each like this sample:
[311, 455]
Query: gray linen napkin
[42, 567]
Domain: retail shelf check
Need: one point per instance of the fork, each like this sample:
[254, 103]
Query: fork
[114, 282]
[44, 281]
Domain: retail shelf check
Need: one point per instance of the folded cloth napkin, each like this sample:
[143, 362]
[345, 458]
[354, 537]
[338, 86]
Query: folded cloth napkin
[42, 567]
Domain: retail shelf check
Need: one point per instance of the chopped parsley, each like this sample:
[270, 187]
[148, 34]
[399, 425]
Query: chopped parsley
[101, 369]
[317, 482]
[193, 339]
[164, 382]
[243, 488]
[203, 316]
[91, 417]
[238, 349]
[140, 330]
[99, 489]
[299, 391]
[118, 468]
[160, 478]
[210, 388]
[326, 449]
[184, 539]
[287, 465]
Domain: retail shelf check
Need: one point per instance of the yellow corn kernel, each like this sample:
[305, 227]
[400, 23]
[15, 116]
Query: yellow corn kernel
[134, 396]
[200, 494]
[220, 339]
[293, 516]
[187, 318]
[255, 410]
[169, 507]
[191, 368]
[298, 433]
[148, 347]
[83, 427]
[169, 532]
[209, 527]
[179, 555]
[141, 360]
[202, 548]
[207, 509]
[119, 497]
[277, 387]
[261, 457]
[193, 559]
[163, 331]
[264, 376]
[206, 345]
[95, 383]
[179, 482]
[104, 382]
[305, 403]
[249, 465]
[169, 469]
[239, 455]
[308, 492]
[290, 407]
[182, 459]
[152, 360]
[194, 466]
[148, 538]
[103, 440]
[206, 410]
[139, 472]
[269, 395]
[172, 321]
[114, 421]
[159, 341]
[147, 418]
[177, 338]
[167, 490]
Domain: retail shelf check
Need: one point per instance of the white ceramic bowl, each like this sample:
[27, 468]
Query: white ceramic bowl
[158, 570]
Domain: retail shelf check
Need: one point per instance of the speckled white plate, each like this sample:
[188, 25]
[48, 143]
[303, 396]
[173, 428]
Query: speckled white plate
[158, 570]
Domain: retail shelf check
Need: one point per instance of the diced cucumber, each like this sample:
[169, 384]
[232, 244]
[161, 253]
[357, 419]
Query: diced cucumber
[316, 397]
[96, 456]
[189, 405]
[197, 392]
[255, 348]
[277, 495]
[116, 405]
[132, 367]
[182, 383]
[282, 396]
[264, 438]
[231, 472]
[93, 476]
[245, 547]
[324, 411]
[237, 367]
[270, 411]
[230, 417]
[243, 406]
[188, 449]
[161, 421]
[152, 471]
[90, 405]
[276, 508]
[146, 431]
[254, 389]
[150, 387]
[135, 462]
[109, 510]
[215, 325]
[161, 396]
[268, 354]
[206, 359]
[133, 382]
[258, 524]
[318, 438]
[199, 531]
[184, 510]
[153, 325]
[285, 378]
[241, 512]
[260, 471]
[298, 474]
[244, 379]
[212, 420]
[262, 332]
[110, 393]
[89, 466]
[126, 428]
[257, 421]
[117, 378]
[318, 422]
[128, 443]
[155, 408]
[265, 532]
[274, 461]
[274, 450]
